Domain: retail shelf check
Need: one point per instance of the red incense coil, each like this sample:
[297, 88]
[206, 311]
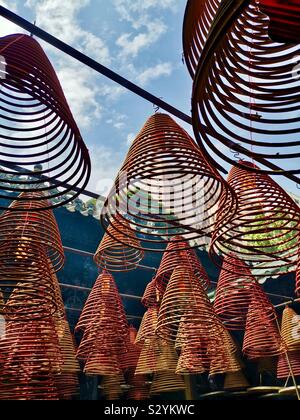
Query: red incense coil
[67, 385]
[26, 282]
[151, 295]
[222, 352]
[177, 253]
[234, 292]
[262, 337]
[284, 17]
[130, 358]
[140, 389]
[297, 290]
[148, 325]
[290, 329]
[244, 92]
[164, 186]
[116, 252]
[102, 361]
[190, 361]
[38, 129]
[283, 368]
[264, 231]
[31, 226]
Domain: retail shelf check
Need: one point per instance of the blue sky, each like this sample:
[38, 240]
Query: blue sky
[141, 40]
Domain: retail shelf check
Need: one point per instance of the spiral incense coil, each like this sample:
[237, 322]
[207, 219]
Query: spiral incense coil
[139, 390]
[27, 286]
[290, 329]
[148, 325]
[284, 25]
[297, 289]
[190, 361]
[102, 361]
[167, 358]
[222, 352]
[265, 228]
[147, 362]
[151, 295]
[244, 93]
[235, 380]
[167, 381]
[38, 131]
[68, 349]
[27, 225]
[234, 292]
[112, 386]
[104, 302]
[262, 337]
[130, 358]
[164, 186]
[177, 253]
[283, 368]
[116, 252]
[67, 385]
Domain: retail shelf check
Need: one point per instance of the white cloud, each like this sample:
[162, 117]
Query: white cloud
[6, 27]
[130, 138]
[162, 69]
[117, 120]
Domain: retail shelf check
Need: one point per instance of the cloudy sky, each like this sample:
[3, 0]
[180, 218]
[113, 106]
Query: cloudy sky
[141, 40]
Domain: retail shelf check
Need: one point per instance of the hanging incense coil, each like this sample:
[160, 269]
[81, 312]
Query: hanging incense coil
[290, 329]
[190, 361]
[102, 361]
[46, 152]
[283, 368]
[234, 292]
[111, 386]
[68, 349]
[264, 231]
[67, 385]
[297, 289]
[177, 253]
[262, 337]
[235, 380]
[223, 355]
[26, 282]
[151, 295]
[116, 252]
[147, 362]
[139, 388]
[164, 187]
[235, 67]
[284, 17]
[148, 325]
[130, 358]
[166, 381]
[25, 224]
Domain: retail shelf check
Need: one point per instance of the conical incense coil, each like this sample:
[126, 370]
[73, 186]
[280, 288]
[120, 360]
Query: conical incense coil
[234, 292]
[167, 381]
[177, 253]
[235, 65]
[297, 291]
[262, 336]
[130, 357]
[38, 131]
[235, 380]
[68, 349]
[148, 325]
[104, 305]
[26, 282]
[290, 329]
[265, 228]
[222, 352]
[284, 17]
[140, 389]
[165, 186]
[102, 361]
[147, 362]
[111, 386]
[167, 357]
[116, 252]
[185, 302]
[151, 295]
[283, 368]
[190, 361]
[67, 385]
[31, 226]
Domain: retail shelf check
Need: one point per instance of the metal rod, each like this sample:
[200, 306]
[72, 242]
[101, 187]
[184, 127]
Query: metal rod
[88, 289]
[84, 59]
[79, 310]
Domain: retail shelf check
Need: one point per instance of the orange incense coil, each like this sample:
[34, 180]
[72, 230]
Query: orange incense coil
[164, 185]
[234, 292]
[112, 386]
[190, 361]
[27, 286]
[235, 64]
[167, 357]
[235, 380]
[116, 252]
[222, 352]
[265, 228]
[38, 128]
[283, 368]
[147, 362]
[262, 337]
[148, 325]
[22, 230]
[151, 295]
[67, 385]
[67, 343]
[166, 381]
[290, 329]
[178, 253]
[102, 361]
[130, 357]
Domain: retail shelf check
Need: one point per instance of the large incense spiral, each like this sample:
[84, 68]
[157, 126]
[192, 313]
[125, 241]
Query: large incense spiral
[164, 187]
[264, 231]
[245, 94]
[38, 129]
